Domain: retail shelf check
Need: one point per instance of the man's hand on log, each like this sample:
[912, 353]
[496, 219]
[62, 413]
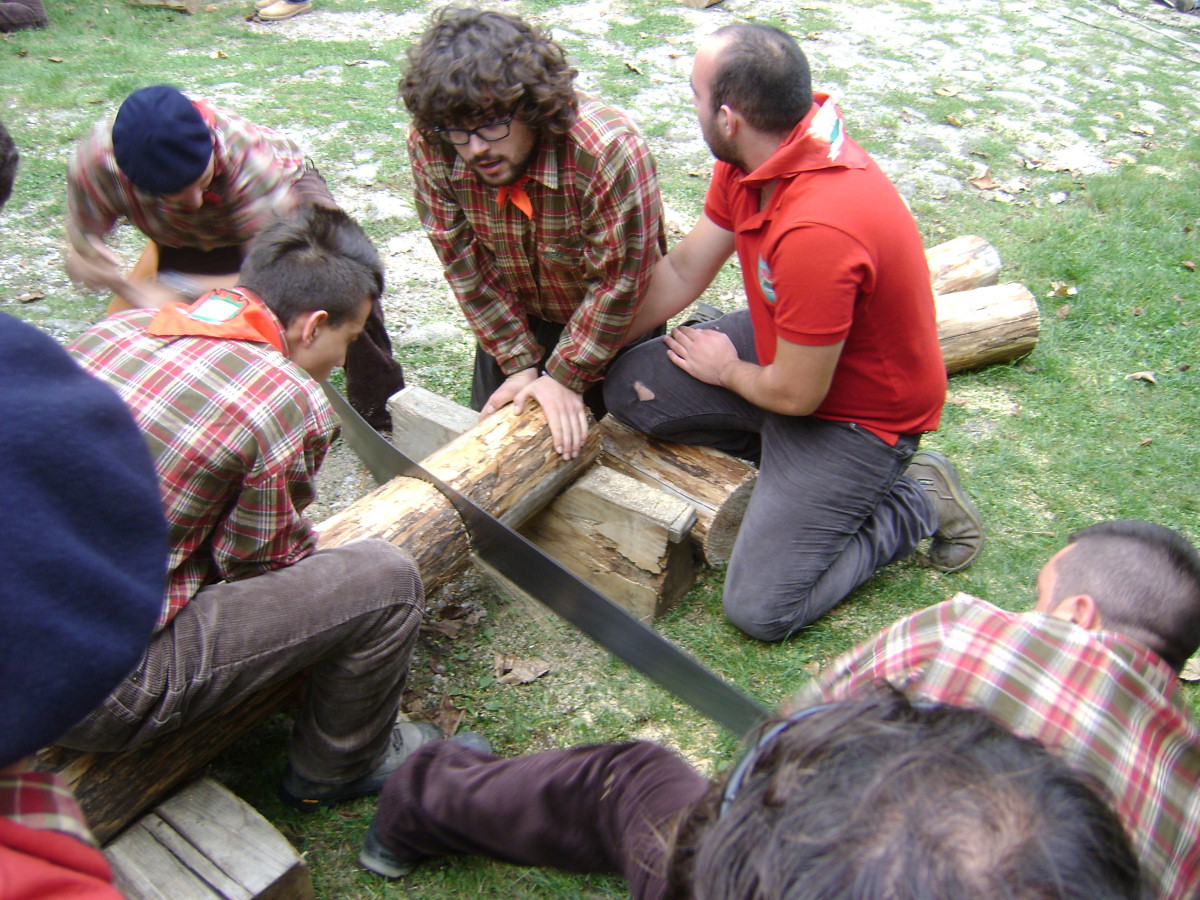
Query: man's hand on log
[563, 407]
[564, 411]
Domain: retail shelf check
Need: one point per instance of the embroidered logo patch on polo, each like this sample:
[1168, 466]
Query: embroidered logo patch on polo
[764, 280]
[217, 307]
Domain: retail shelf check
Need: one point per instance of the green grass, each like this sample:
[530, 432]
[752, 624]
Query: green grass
[1046, 445]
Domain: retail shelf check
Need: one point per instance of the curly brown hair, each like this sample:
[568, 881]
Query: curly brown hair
[477, 65]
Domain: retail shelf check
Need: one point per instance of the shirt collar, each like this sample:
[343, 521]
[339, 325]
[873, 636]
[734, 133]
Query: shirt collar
[818, 141]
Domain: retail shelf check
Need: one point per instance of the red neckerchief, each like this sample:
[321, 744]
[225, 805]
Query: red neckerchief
[516, 193]
[231, 314]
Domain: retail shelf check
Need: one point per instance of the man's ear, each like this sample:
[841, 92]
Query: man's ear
[1080, 609]
[728, 121]
[306, 327]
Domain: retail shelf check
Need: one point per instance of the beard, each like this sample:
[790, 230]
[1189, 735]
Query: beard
[722, 148]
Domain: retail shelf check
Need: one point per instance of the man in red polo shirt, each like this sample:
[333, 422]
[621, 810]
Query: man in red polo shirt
[833, 372]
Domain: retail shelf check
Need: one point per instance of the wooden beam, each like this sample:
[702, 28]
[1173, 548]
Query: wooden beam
[622, 536]
[424, 422]
[204, 843]
[716, 484]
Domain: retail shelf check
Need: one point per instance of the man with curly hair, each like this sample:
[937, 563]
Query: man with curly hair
[542, 204]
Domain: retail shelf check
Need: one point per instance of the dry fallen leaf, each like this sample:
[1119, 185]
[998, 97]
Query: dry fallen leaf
[1142, 376]
[450, 628]
[951, 120]
[1061, 289]
[947, 90]
[509, 669]
[1145, 442]
[632, 68]
[1189, 265]
[1063, 311]
[1145, 130]
[985, 182]
[55, 58]
[30, 297]
[218, 54]
[449, 716]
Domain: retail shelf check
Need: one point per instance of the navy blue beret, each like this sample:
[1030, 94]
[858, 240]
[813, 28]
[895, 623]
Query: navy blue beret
[161, 142]
[83, 541]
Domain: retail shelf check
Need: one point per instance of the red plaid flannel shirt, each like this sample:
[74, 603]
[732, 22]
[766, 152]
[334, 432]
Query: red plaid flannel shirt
[584, 260]
[1105, 704]
[237, 433]
[253, 169]
[42, 801]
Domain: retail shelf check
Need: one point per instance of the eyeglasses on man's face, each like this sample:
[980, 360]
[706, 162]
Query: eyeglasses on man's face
[492, 131]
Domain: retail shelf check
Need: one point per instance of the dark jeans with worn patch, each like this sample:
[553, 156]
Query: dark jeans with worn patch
[348, 616]
[372, 373]
[831, 504]
[602, 809]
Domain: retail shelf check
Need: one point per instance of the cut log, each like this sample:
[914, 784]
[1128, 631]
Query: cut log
[986, 325]
[187, 6]
[716, 484]
[424, 422]
[961, 264]
[622, 536]
[506, 464]
[204, 843]
[115, 788]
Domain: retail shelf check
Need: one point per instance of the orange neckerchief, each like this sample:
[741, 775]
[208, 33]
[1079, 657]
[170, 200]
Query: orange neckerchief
[232, 314]
[516, 193]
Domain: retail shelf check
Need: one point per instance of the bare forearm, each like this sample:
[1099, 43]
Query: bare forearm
[762, 386]
[668, 294]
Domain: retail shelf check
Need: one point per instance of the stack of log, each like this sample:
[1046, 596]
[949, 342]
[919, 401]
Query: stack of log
[626, 514]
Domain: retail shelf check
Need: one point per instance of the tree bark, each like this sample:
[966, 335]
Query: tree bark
[961, 264]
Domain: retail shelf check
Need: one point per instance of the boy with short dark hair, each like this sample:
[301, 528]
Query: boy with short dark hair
[226, 393]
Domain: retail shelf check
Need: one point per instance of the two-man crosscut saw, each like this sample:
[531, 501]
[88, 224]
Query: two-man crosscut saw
[561, 590]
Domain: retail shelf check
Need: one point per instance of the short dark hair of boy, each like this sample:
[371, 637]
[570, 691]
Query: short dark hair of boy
[8, 164]
[763, 74]
[474, 66]
[879, 799]
[319, 258]
[1145, 580]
